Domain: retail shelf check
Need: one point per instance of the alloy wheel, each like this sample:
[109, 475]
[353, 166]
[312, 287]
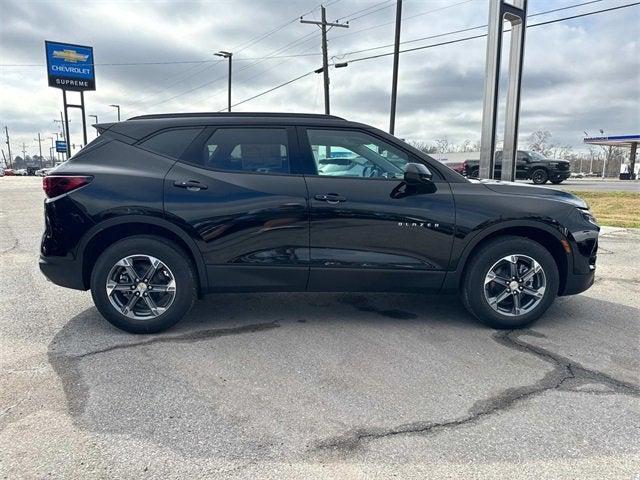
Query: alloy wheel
[141, 287]
[515, 285]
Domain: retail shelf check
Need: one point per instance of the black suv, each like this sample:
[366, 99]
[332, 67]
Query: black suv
[529, 166]
[161, 209]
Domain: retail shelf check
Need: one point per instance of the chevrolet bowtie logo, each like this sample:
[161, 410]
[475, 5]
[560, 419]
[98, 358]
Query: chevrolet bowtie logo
[70, 56]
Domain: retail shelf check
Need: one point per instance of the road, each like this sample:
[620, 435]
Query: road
[594, 185]
[314, 386]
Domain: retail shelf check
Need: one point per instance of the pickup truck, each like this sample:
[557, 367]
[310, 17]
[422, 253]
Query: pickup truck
[529, 166]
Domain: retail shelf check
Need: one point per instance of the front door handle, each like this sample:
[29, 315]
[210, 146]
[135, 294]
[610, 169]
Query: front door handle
[191, 185]
[332, 198]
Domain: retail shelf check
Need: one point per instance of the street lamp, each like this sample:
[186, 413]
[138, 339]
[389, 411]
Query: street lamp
[118, 107]
[96, 117]
[228, 55]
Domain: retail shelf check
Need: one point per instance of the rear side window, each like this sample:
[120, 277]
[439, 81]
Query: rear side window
[171, 143]
[257, 150]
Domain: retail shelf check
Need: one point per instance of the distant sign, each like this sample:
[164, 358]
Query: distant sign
[70, 67]
[61, 146]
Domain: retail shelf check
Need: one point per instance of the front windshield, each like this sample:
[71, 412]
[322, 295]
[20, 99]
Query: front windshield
[536, 156]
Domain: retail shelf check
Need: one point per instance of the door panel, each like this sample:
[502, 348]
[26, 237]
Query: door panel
[384, 235]
[252, 228]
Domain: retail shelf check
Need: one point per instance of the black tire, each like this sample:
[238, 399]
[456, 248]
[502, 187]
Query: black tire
[539, 176]
[557, 182]
[175, 259]
[473, 287]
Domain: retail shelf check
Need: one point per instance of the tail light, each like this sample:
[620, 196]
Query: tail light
[56, 185]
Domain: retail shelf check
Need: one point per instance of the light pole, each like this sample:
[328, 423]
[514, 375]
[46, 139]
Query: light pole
[396, 60]
[96, 117]
[228, 55]
[53, 145]
[118, 107]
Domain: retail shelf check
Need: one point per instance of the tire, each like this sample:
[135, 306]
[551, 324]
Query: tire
[539, 176]
[557, 182]
[476, 293]
[174, 279]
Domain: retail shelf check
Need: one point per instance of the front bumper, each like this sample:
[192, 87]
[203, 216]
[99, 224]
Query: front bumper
[578, 283]
[559, 175]
[62, 271]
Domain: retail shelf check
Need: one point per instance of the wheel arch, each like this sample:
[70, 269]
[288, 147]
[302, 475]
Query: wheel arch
[110, 231]
[547, 236]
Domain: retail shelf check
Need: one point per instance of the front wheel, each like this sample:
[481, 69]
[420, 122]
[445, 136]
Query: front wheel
[143, 284]
[510, 282]
[539, 176]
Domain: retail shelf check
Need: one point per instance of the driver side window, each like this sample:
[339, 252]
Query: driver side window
[351, 153]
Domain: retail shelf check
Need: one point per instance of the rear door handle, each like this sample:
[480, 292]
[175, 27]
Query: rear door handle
[332, 198]
[191, 185]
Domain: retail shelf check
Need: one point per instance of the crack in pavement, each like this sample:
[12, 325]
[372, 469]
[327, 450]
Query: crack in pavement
[566, 375]
[68, 366]
[187, 337]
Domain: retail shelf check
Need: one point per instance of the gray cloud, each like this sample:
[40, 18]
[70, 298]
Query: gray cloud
[583, 74]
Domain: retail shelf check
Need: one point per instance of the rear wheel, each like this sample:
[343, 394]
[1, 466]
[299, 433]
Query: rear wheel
[143, 284]
[539, 176]
[510, 282]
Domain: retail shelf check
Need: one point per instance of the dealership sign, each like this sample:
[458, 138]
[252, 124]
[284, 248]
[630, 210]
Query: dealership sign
[70, 67]
[61, 146]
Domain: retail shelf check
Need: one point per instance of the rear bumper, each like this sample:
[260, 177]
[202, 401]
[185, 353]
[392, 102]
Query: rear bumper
[62, 271]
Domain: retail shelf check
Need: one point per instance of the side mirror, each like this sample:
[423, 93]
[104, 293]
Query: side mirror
[416, 174]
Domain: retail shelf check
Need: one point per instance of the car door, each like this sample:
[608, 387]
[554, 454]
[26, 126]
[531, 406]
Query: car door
[369, 230]
[522, 165]
[236, 191]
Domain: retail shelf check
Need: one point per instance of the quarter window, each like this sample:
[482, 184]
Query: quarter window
[258, 150]
[350, 153]
[171, 143]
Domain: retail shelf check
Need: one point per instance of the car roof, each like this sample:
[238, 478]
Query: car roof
[144, 125]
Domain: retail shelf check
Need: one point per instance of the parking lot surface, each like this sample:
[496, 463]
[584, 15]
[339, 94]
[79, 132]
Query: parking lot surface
[314, 386]
[594, 185]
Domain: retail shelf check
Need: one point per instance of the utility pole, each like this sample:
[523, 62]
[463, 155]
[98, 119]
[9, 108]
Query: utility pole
[6, 131]
[396, 60]
[40, 148]
[325, 57]
[24, 151]
[228, 55]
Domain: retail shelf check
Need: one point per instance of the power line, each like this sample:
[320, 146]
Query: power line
[405, 18]
[463, 30]
[484, 34]
[271, 89]
[447, 43]
[352, 14]
[268, 57]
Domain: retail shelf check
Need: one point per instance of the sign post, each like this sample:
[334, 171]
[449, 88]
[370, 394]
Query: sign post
[71, 68]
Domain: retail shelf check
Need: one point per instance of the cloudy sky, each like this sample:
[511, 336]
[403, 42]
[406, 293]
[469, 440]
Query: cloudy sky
[580, 74]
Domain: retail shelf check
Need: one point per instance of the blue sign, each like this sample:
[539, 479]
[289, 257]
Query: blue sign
[70, 67]
[61, 146]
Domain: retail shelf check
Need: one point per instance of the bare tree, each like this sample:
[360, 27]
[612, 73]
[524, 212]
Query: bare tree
[540, 141]
[442, 145]
[422, 146]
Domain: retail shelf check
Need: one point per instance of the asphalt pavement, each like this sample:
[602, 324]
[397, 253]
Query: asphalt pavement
[314, 385]
[594, 185]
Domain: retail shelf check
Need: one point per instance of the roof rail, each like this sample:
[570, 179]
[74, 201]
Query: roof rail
[233, 114]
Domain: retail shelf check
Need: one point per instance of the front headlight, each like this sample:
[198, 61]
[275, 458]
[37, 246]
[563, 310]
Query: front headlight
[586, 214]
